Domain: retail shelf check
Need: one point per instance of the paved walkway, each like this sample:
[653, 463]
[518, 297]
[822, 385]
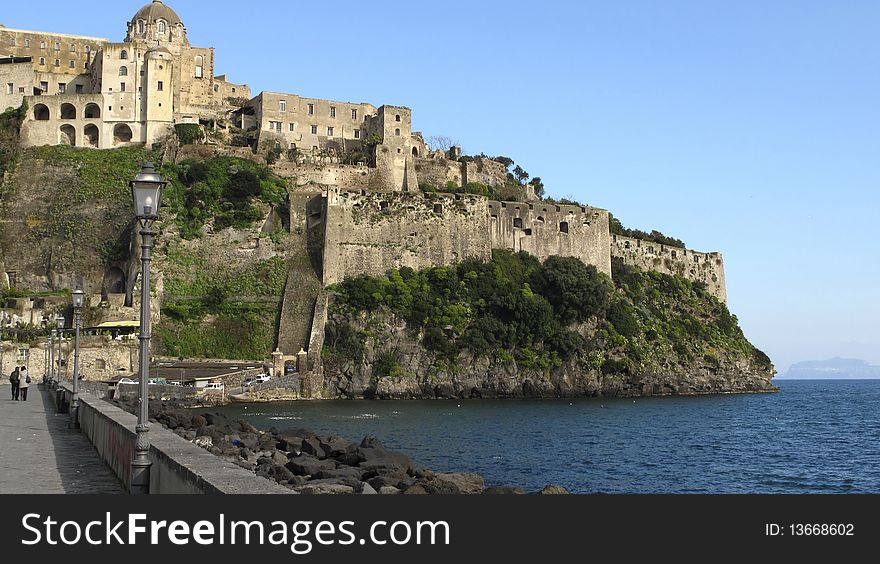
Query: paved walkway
[39, 454]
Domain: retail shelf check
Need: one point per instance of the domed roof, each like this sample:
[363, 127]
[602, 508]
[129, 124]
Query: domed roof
[156, 10]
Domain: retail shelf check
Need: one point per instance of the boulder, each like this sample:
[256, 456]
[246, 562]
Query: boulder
[279, 457]
[312, 446]
[334, 446]
[189, 435]
[553, 489]
[341, 472]
[267, 442]
[250, 440]
[203, 441]
[367, 489]
[465, 483]
[305, 464]
[246, 427]
[388, 490]
[416, 489]
[281, 473]
[289, 443]
[503, 490]
[246, 464]
[389, 467]
[325, 489]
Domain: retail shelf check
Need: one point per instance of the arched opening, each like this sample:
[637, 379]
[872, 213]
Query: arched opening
[91, 135]
[397, 117]
[114, 283]
[122, 133]
[563, 227]
[140, 26]
[68, 135]
[539, 219]
[100, 364]
[200, 62]
[123, 55]
[415, 151]
[123, 71]
[92, 111]
[41, 112]
[397, 132]
[517, 222]
[68, 111]
[289, 367]
[160, 26]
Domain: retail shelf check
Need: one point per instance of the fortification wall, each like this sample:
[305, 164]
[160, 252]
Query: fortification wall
[545, 229]
[438, 172]
[348, 177]
[369, 233]
[707, 268]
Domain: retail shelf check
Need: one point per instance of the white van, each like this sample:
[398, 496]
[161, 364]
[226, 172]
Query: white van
[214, 386]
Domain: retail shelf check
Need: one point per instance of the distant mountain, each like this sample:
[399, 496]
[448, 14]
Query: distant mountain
[833, 368]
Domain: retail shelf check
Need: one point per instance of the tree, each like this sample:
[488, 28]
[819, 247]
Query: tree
[506, 161]
[538, 185]
[442, 143]
[520, 175]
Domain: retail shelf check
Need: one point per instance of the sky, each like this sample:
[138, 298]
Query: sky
[750, 127]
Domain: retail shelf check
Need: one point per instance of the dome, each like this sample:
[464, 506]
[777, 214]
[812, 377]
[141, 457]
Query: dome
[156, 10]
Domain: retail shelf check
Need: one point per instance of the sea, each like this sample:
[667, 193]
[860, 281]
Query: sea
[813, 436]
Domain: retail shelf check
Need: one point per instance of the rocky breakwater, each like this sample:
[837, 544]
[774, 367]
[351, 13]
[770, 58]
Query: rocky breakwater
[309, 463]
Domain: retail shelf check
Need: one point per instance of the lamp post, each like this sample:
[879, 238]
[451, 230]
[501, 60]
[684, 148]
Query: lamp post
[59, 323]
[78, 298]
[46, 345]
[50, 369]
[146, 191]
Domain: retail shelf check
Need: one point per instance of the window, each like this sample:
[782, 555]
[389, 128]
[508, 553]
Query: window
[199, 64]
[42, 44]
[282, 106]
[44, 86]
[354, 114]
[86, 65]
[123, 71]
[12, 41]
[42, 60]
[21, 89]
[397, 117]
[79, 88]
[333, 111]
[357, 133]
[140, 26]
[72, 64]
[275, 126]
[62, 87]
[122, 87]
[311, 109]
[397, 132]
[329, 132]
[9, 87]
[517, 222]
[123, 55]
[161, 86]
[314, 130]
[563, 227]
[161, 26]
[27, 42]
[57, 45]
[292, 126]
[72, 48]
[88, 48]
[57, 62]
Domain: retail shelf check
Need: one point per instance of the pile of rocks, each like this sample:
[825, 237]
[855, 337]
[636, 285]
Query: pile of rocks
[312, 464]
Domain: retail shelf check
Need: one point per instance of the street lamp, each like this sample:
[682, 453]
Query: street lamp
[59, 324]
[50, 369]
[146, 191]
[78, 298]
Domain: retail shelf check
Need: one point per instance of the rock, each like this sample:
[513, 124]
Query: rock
[379, 482]
[383, 467]
[325, 489]
[279, 457]
[312, 446]
[553, 489]
[246, 464]
[308, 465]
[504, 490]
[172, 422]
[416, 489]
[246, 427]
[216, 451]
[198, 421]
[466, 483]
[298, 481]
[371, 442]
[367, 489]
[341, 472]
[267, 442]
[281, 473]
[203, 441]
[251, 440]
[189, 435]
[246, 453]
[289, 443]
[353, 483]
[334, 446]
[388, 490]
[205, 431]
[215, 419]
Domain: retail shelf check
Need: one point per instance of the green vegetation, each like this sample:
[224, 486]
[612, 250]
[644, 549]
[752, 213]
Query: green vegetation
[213, 310]
[222, 191]
[540, 315]
[10, 122]
[189, 133]
[655, 236]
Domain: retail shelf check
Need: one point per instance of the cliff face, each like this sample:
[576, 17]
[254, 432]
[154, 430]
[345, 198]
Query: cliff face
[654, 335]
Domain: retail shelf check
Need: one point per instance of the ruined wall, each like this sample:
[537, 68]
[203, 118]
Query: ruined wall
[544, 230]
[438, 172]
[348, 177]
[371, 233]
[707, 268]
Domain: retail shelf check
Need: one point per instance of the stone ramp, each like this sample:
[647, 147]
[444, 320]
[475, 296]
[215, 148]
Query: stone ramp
[298, 308]
[40, 455]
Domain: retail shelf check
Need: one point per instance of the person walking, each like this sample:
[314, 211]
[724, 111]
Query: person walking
[24, 382]
[14, 380]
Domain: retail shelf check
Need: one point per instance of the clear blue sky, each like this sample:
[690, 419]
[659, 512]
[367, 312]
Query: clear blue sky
[747, 127]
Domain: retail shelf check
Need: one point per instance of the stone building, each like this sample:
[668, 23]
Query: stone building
[87, 91]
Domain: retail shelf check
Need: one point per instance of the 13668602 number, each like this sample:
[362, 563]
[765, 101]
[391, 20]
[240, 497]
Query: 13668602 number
[822, 529]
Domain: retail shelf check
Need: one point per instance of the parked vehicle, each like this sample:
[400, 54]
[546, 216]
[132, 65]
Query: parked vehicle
[215, 386]
[126, 381]
[258, 380]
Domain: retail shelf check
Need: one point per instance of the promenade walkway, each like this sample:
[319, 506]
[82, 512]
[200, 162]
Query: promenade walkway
[39, 454]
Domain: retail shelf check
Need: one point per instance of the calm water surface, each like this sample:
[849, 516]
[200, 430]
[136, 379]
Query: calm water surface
[813, 436]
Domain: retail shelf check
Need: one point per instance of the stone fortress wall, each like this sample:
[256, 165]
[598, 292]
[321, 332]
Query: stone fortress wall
[707, 268]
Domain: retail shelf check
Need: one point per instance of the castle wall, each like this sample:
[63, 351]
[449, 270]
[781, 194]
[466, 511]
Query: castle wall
[16, 83]
[438, 172]
[73, 53]
[49, 132]
[371, 233]
[544, 230]
[707, 268]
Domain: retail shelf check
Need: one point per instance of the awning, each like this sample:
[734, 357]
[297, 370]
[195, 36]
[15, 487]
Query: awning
[118, 324]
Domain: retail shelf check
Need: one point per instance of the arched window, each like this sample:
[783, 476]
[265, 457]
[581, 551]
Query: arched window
[140, 27]
[397, 132]
[123, 55]
[397, 117]
[161, 26]
[41, 112]
[199, 64]
[123, 71]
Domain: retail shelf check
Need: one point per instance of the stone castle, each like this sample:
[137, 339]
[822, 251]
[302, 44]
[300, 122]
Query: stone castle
[360, 218]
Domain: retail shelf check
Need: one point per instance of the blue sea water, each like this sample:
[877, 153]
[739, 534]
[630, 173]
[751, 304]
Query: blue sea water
[811, 437]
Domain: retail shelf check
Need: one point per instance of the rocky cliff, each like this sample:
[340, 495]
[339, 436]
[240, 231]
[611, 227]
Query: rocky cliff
[514, 328]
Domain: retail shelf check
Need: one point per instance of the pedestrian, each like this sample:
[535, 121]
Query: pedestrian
[24, 382]
[14, 380]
